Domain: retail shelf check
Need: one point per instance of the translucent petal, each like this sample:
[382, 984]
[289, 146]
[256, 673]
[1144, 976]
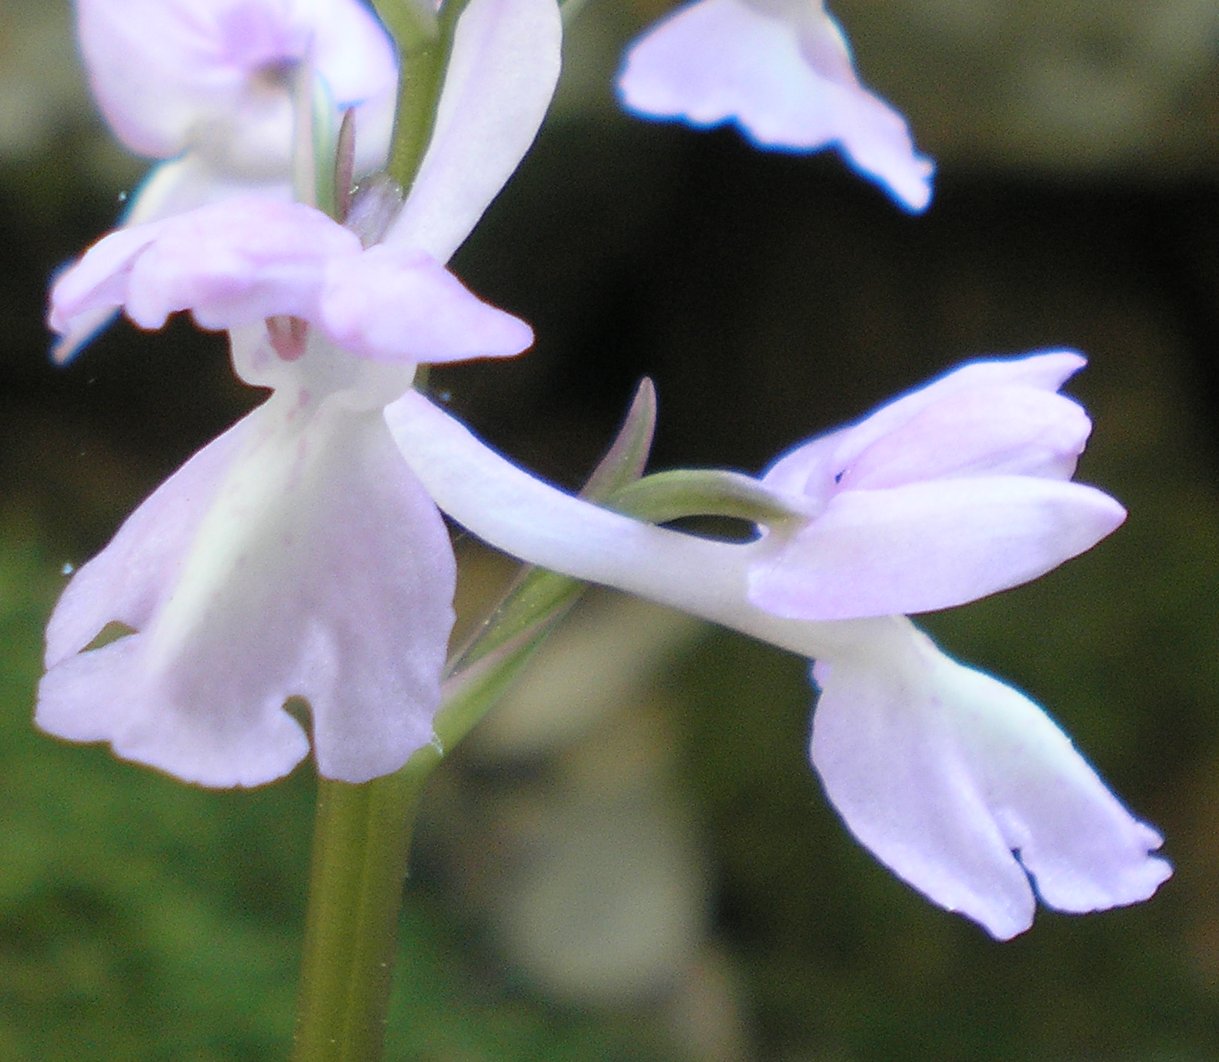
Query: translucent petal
[295, 556]
[169, 72]
[230, 263]
[172, 187]
[984, 431]
[782, 72]
[813, 467]
[404, 306]
[501, 77]
[966, 789]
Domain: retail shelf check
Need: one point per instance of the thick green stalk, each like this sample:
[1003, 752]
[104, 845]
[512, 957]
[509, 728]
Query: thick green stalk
[362, 833]
[360, 846]
[422, 58]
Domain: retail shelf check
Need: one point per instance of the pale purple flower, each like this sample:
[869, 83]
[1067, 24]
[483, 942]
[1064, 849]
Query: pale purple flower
[958, 783]
[294, 556]
[210, 86]
[297, 555]
[302, 554]
[212, 79]
[782, 71]
[242, 261]
[953, 492]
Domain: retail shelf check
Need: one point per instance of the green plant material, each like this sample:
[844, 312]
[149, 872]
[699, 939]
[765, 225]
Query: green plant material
[363, 832]
[683, 492]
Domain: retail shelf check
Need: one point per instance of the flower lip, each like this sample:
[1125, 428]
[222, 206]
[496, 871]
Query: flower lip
[968, 791]
[296, 555]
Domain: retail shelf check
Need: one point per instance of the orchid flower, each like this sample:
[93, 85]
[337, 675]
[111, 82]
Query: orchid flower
[209, 87]
[781, 70]
[296, 555]
[958, 783]
[303, 553]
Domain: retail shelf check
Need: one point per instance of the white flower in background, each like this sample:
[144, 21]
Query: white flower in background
[781, 70]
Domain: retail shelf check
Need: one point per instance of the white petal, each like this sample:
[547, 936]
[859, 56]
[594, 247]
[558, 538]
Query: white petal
[231, 263]
[986, 431]
[172, 74]
[501, 77]
[782, 72]
[520, 514]
[397, 305]
[295, 556]
[172, 187]
[926, 546]
[966, 789]
[812, 467]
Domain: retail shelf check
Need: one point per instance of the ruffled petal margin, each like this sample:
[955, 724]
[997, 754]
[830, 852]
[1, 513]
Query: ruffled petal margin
[781, 71]
[295, 556]
[967, 790]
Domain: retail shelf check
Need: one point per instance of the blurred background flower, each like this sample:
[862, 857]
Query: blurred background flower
[633, 859]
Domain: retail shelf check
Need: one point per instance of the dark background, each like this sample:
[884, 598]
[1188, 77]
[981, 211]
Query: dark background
[632, 859]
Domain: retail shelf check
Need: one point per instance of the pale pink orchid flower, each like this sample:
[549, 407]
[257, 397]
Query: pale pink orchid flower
[958, 783]
[209, 87]
[297, 555]
[210, 83]
[780, 70]
[302, 554]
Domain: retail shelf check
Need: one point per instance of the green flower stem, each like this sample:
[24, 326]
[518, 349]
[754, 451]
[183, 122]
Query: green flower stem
[361, 841]
[363, 832]
[569, 9]
[422, 58]
[362, 838]
[424, 42]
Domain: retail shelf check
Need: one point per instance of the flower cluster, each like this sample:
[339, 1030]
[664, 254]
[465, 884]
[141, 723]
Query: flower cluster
[303, 553]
